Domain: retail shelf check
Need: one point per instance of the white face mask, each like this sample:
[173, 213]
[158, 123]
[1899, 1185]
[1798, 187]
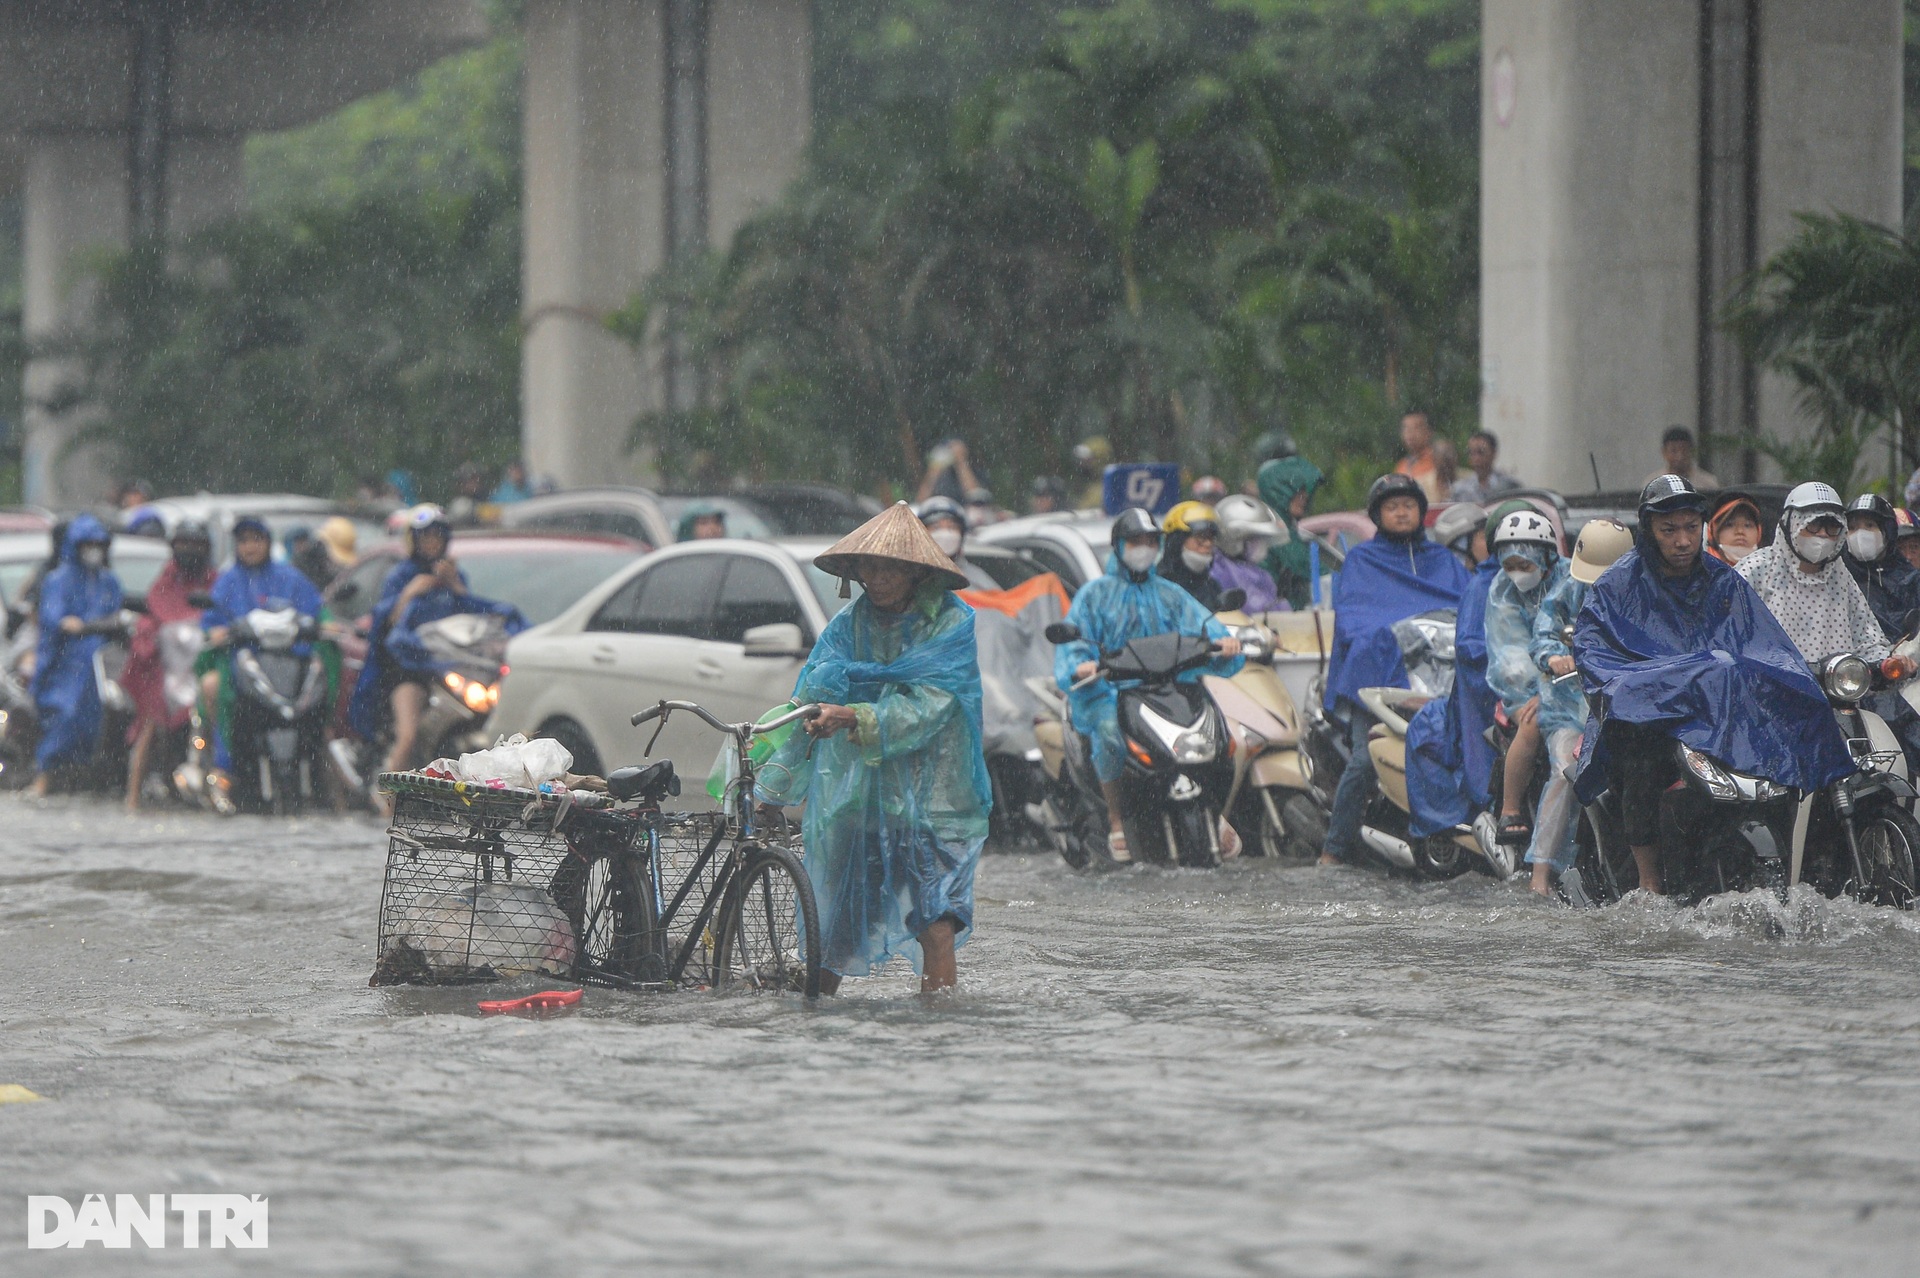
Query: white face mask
[1139, 558]
[1816, 549]
[1735, 554]
[948, 539]
[1257, 548]
[1867, 544]
[93, 556]
[1195, 561]
[1524, 579]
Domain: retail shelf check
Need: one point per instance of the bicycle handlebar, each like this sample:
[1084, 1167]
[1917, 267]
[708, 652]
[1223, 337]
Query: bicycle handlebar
[736, 730]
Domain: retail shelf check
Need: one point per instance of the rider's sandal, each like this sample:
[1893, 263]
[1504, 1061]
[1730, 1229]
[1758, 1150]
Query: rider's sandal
[1117, 848]
[1515, 832]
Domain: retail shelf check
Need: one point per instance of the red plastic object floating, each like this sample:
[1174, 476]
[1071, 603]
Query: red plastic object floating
[544, 1001]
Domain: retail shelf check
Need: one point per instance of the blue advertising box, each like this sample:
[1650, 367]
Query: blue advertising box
[1154, 485]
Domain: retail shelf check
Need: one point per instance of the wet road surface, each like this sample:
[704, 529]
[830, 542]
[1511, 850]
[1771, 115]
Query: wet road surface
[1265, 1070]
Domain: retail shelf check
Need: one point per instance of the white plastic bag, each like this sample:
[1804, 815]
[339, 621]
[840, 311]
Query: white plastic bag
[517, 762]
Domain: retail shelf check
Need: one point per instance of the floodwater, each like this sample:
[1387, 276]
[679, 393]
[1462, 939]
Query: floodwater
[1265, 1070]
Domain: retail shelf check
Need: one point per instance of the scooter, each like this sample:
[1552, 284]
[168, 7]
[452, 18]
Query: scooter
[20, 716]
[1271, 799]
[1179, 765]
[1386, 827]
[1858, 835]
[280, 710]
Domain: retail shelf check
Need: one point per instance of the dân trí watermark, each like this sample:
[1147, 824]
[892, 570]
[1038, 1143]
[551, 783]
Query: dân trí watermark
[232, 1220]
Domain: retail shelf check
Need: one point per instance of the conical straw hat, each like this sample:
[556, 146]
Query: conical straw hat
[895, 533]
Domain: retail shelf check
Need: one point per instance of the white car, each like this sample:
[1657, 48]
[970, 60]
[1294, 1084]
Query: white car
[726, 623]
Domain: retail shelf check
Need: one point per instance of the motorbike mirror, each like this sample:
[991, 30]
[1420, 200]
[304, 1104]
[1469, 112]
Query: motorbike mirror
[134, 603]
[1062, 632]
[1233, 600]
[200, 599]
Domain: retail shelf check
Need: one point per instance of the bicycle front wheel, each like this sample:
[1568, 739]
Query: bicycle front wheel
[620, 939]
[769, 928]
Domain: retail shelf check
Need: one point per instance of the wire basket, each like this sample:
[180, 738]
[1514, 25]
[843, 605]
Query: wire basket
[482, 885]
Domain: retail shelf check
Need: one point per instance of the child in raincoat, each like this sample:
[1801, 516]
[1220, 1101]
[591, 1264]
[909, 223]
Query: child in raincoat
[891, 772]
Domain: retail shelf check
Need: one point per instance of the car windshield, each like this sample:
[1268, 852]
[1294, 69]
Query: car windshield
[137, 572]
[543, 583]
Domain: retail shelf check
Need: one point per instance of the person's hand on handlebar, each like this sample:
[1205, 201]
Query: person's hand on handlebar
[1228, 647]
[72, 625]
[1559, 666]
[830, 720]
[1085, 670]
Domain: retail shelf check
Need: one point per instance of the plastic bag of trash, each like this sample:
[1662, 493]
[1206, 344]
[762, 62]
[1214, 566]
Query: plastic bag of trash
[513, 928]
[517, 762]
[726, 764]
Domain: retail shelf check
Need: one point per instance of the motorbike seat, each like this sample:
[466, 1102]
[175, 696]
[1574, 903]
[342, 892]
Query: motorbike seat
[649, 783]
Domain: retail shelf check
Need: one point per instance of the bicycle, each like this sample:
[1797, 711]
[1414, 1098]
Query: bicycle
[748, 905]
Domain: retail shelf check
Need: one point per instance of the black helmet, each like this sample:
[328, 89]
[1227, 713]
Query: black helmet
[1274, 445]
[942, 508]
[1130, 523]
[190, 530]
[1394, 485]
[1667, 494]
[1879, 507]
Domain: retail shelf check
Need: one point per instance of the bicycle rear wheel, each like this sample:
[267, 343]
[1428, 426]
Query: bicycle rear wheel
[620, 939]
[769, 928]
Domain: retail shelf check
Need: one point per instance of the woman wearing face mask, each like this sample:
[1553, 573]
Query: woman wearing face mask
[946, 522]
[1192, 531]
[81, 591]
[1543, 712]
[1889, 582]
[1805, 584]
[1734, 527]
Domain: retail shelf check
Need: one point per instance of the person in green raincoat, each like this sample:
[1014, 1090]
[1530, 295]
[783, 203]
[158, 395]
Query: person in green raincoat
[891, 772]
[1287, 485]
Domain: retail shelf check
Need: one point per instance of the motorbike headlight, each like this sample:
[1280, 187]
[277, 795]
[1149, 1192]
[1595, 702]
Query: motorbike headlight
[1718, 781]
[1846, 678]
[1193, 747]
[456, 683]
[480, 697]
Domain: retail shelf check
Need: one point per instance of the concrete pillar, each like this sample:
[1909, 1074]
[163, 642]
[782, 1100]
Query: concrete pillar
[1594, 307]
[1589, 189]
[1830, 132]
[760, 105]
[594, 219]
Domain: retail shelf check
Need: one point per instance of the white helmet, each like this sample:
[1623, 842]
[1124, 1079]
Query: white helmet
[1526, 528]
[1814, 497]
[1243, 517]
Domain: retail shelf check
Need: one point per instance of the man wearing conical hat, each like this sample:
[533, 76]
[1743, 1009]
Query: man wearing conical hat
[891, 773]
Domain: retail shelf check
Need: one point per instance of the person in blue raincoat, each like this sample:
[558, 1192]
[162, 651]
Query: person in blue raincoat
[892, 772]
[66, 697]
[253, 580]
[1673, 645]
[1396, 575]
[1130, 601]
[1449, 759]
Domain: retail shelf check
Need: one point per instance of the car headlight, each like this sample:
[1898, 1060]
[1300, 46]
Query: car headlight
[1193, 747]
[1718, 781]
[1845, 677]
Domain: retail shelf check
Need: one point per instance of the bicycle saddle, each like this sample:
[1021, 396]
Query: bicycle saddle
[650, 783]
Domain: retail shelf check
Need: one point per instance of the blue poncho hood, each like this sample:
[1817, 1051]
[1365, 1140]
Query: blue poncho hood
[1701, 656]
[1383, 582]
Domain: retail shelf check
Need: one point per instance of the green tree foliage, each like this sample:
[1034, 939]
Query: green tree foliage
[363, 315]
[1837, 310]
[1171, 222]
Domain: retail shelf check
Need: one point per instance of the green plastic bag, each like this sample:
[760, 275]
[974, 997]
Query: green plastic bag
[726, 765]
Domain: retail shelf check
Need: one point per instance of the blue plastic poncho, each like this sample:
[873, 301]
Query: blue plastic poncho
[1111, 611]
[240, 589]
[896, 810]
[1512, 672]
[404, 646]
[368, 706]
[1449, 760]
[65, 695]
[1380, 583]
[1703, 657]
[1557, 612]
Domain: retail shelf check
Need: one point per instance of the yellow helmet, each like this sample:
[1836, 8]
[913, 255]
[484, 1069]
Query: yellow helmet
[1192, 517]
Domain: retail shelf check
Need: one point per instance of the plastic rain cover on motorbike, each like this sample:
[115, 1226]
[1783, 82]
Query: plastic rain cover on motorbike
[896, 811]
[1010, 631]
[1380, 583]
[64, 689]
[1702, 657]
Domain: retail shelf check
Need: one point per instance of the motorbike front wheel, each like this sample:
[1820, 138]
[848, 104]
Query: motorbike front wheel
[1889, 843]
[1306, 827]
[1193, 835]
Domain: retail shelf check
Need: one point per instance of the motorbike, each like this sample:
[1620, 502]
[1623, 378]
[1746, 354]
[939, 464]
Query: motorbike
[1426, 652]
[280, 710]
[20, 717]
[1858, 835]
[1179, 765]
[1271, 797]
